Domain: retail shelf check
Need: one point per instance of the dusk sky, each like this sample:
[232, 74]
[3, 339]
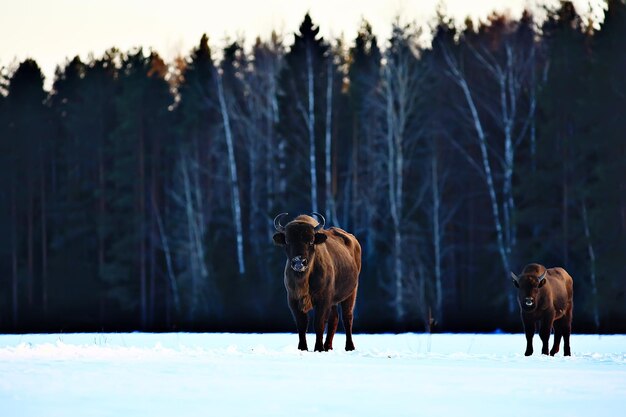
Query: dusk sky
[53, 31]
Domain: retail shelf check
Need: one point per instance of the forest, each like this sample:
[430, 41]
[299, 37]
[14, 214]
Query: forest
[139, 194]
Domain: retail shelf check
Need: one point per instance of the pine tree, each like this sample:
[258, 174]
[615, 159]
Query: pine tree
[605, 195]
[27, 136]
[195, 193]
[79, 222]
[6, 311]
[232, 106]
[134, 148]
[301, 119]
[364, 78]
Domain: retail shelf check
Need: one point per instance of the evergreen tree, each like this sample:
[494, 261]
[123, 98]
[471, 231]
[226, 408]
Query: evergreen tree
[82, 99]
[5, 207]
[364, 78]
[27, 136]
[442, 300]
[258, 128]
[301, 119]
[605, 197]
[134, 148]
[195, 194]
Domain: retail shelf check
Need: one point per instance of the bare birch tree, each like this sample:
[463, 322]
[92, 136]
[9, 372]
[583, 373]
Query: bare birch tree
[400, 90]
[165, 246]
[437, 231]
[330, 199]
[508, 108]
[592, 264]
[234, 182]
[188, 239]
[311, 124]
[268, 64]
[254, 119]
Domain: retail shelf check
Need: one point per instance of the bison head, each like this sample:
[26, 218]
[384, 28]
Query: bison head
[528, 288]
[299, 238]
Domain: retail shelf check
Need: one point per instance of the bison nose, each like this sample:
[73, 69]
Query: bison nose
[529, 301]
[298, 263]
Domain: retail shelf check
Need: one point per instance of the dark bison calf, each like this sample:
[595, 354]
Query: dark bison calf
[545, 295]
[322, 271]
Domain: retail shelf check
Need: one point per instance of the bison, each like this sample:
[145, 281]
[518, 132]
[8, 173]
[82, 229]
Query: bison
[545, 295]
[322, 271]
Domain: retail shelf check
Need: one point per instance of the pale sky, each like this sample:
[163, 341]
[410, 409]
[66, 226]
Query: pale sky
[52, 31]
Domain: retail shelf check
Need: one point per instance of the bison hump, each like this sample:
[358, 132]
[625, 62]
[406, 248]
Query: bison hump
[345, 237]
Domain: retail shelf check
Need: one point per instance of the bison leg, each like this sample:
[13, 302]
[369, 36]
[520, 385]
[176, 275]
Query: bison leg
[321, 316]
[529, 330]
[347, 309]
[566, 348]
[333, 319]
[567, 330]
[302, 323]
[544, 334]
[558, 332]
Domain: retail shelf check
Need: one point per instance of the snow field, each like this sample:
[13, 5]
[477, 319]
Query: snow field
[184, 374]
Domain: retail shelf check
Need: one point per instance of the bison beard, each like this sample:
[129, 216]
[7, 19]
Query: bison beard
[321, 272]
[545, 296]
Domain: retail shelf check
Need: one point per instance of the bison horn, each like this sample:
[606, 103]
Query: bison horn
[279, 227]
[542, 276]
[320, 223]
[514, 277]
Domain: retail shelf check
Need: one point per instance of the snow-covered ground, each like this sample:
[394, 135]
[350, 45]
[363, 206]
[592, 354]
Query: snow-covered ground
[183, 374]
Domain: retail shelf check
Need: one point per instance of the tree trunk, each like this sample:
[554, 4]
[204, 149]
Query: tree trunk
[152, 233]
[270, 152]
[168, 259]
[30, 268]
[394, 209]
[199, 230]
[533, 106]
[101, 229]
[44, 242]
[14, 255]
[236, 205]
[592, 266]
[330, 201]
[436, 238]
[192, 239]
[357, 215]
[141, 230]
[269, 168]
[311, 128]
[565, 197]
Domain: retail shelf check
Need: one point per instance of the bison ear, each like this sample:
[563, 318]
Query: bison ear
[279, 239]
[542, 283]
[515, 279]
[320, 238]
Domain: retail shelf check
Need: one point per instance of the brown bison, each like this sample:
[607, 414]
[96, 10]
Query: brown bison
[322, 270]
[545, 295]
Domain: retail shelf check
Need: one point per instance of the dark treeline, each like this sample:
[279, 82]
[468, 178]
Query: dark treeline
[140, 195]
